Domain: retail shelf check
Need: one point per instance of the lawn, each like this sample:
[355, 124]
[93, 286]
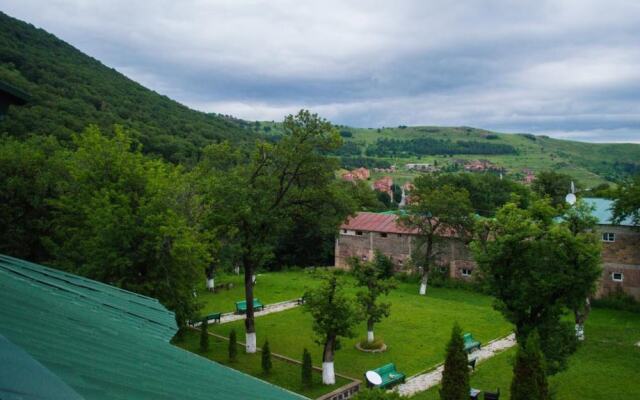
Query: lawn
[604, 367]
[283, 374]
[271, 287]
[416, 331]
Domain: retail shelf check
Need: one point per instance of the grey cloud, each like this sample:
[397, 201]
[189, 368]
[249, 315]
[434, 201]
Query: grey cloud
[564, 68]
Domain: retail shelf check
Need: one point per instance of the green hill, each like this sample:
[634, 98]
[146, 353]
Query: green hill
[590, 163]
[71, 90]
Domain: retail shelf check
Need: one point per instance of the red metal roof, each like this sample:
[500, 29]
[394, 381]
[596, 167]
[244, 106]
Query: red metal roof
[374, 222]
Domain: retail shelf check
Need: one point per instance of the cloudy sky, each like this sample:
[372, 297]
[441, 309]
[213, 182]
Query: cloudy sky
[569, 69]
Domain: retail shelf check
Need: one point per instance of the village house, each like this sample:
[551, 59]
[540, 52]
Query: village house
[363, 234]
[358, 174]
[384, 184]
[421, 167]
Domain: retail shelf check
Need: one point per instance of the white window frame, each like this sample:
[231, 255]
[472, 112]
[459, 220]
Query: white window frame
[466, 271]
[613, 276]
[608, 237]
[383, 234]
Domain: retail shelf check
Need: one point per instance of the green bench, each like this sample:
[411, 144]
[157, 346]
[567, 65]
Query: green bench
[389, 375]
[470, 343]
[241, 306]
[215, 317]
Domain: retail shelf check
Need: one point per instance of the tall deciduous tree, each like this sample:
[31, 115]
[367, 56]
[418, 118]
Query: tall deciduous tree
[627, 202]
[584, 254]
[436, 212]
[253, 202]
[334, 316]
[537, 269]
[455, 376]
[376, 280]
[120, 220]
[529, 378]
[553, 184]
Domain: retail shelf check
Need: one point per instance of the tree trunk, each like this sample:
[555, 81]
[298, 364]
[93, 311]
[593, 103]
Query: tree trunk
[209, 272]
[370, 336]
[423, 282]
[328, 373]
[210, 284]
[581, 315]
[249, 324]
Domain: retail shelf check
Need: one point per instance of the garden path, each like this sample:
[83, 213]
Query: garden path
[268, 309]
[422, 382]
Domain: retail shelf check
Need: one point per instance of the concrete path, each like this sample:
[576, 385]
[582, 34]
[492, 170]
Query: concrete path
[422, 382]
[268, 309]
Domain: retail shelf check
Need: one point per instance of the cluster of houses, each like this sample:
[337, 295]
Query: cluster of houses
[358, 174]
[421, 167]
[480, 166]
[529, 176]
[366, 232]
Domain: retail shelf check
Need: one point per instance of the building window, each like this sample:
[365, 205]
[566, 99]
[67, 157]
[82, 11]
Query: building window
[399, 234]
[465, 272]
[359, 233]
[617, 277]
[382, 234]
[344, 231]
[608, 237]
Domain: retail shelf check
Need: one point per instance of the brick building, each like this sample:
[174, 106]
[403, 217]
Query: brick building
[367, 232]
[620, 251]
[362, 235]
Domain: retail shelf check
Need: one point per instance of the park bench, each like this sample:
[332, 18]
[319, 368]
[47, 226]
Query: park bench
[492, 395]
[241, 306]
[215, 317]
[389, 375]
[301, 300]
[470, 343]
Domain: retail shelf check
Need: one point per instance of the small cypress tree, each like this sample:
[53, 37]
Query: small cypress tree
[455, 377]
[233, 345]
[529, 377]
[266, 358]
[307, 369]
[204, 336]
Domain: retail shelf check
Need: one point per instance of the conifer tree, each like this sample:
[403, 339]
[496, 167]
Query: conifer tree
[307, 369]
[529, 377]
[204, 336]
[455, 377]
[266, 358]
[233, 345]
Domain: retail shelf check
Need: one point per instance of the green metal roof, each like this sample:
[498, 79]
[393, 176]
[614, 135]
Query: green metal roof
[603, 211]
[27, 379]
[107, 343]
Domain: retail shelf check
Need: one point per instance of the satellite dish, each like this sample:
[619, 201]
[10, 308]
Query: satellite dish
[570, 198]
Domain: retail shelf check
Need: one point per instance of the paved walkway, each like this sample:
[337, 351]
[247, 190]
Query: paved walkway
[422, 382]
[268, 309]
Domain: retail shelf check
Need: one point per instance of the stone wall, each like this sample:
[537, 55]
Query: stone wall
[622, 256]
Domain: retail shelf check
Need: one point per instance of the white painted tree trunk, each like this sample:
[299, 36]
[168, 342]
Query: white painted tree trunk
[210, 284]
[250, 339]
[423, 288]
[253, 279]
[580, 332]
[328, 375]
[237, 270]
[370, 336]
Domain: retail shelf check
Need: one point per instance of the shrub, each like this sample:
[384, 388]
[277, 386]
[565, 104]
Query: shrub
[375, 345]
[233, 345]
[204, 336]
[307, 369]
[455, 377]
[266, 358]
[618, 300]
[529, 377]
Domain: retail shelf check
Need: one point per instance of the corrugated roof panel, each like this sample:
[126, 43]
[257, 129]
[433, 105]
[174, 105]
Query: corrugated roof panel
[603, 211]
[110, 344]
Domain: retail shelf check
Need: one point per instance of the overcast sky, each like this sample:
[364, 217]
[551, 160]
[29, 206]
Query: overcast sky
[569, 69]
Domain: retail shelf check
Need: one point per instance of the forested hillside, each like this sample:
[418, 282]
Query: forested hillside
[71, 90]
